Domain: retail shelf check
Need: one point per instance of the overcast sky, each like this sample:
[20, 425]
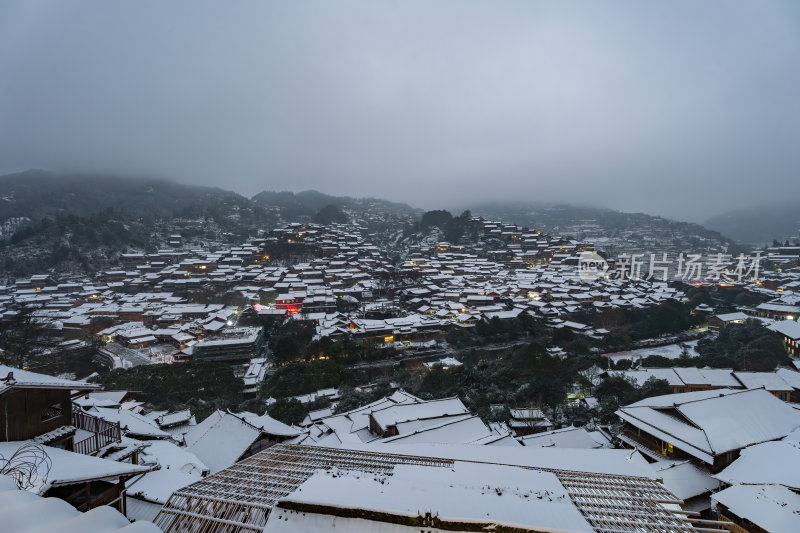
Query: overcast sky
[679, 108]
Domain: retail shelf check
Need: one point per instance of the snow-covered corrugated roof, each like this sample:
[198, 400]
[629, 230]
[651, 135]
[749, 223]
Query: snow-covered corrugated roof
[247, 491]
[505, 496]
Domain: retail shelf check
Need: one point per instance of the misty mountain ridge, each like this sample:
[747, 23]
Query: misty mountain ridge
[37, 194]
[587, 222]
[759, 225]
[74, 216]
[308, 203]
[81, 222]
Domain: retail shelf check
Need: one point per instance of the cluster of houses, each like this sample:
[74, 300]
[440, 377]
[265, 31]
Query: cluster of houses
[180, 304]
[101, 448]
[712, 456]
[712, 459]
[784, 383]
[786, 322]
[712, 446]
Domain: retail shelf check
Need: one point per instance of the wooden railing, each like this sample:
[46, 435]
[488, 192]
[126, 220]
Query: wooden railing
[103, 433]
[645, 440]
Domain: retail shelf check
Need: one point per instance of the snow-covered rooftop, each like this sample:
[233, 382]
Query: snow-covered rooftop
[23, 511]
[599, 483]
[775, 463]
[70, 467]
[466, 493]
[772, 508]
[222, 438]
[570, 437]
[395, 414]
[131, 423]
[707, 423]
[28, 379]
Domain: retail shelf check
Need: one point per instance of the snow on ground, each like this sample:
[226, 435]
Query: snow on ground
[670, 351]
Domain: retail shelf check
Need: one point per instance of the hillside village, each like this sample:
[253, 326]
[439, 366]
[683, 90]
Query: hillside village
[346, 287]
[399, 267]
[308, 296]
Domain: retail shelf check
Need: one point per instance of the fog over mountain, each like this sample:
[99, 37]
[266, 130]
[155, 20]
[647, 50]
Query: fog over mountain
[681, 109]
[760, 224]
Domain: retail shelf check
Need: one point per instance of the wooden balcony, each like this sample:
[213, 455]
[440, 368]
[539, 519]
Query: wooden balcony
[101, 432]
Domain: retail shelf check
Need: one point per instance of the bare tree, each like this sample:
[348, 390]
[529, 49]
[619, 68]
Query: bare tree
[25, 335]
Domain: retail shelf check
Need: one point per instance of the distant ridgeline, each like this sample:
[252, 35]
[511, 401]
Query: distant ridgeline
[293, 206]
[760, 225]
[594, 223]
[82, 222]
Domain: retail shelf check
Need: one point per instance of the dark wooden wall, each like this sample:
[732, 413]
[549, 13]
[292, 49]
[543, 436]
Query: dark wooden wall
[21, 412]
